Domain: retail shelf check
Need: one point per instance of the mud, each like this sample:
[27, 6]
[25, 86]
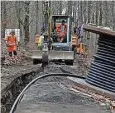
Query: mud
[53, 95]
[13, 80]
[51, 90]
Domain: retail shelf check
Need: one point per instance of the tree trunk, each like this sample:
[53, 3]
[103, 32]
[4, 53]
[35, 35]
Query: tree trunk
[60, 9]
[85, 12]
[96, 20]
[92, 15]
[106, 13]
[70, 8]
[81, 14]
[100, 13]
[26, 23]
[89, 12]
[37, 17]
[74, 11]
[113, 14]
[3, 18]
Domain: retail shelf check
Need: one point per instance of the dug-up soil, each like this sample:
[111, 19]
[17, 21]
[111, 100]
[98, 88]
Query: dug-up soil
[12, 69]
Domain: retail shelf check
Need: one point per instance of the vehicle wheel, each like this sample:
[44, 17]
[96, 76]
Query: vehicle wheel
[44, 60]
[69, 62]
[59, 60]
[37, 61]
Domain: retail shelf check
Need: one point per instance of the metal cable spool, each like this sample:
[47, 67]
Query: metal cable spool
[102, 70]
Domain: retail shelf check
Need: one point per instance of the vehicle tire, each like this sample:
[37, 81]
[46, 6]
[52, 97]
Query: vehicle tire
[59, 60]
[37, 61]
[69, 62]
[44, 60]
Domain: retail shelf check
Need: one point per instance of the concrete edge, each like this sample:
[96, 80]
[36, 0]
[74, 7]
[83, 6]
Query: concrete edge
[94, 89]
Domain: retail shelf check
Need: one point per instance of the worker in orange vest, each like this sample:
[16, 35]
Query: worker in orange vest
[74, 40]
[11, 44]
[80, 48]
[79, 31]
[61, 31]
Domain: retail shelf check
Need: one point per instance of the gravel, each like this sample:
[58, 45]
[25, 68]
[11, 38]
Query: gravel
[55, 90]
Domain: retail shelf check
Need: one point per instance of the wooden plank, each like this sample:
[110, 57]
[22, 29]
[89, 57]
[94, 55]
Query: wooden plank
[98, 30]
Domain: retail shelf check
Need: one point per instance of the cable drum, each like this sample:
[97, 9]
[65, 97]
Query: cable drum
[102, 70]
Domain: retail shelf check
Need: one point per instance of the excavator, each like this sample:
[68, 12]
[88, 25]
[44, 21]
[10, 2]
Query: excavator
[57, 43]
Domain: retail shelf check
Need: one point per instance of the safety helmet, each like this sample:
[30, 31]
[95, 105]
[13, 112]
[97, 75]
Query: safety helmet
[12, 32]
[63, 21]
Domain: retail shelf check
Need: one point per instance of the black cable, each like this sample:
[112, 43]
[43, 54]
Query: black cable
[18, 99]
[102, 70]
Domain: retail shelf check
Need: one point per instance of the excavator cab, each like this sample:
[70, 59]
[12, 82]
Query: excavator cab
[59, 30]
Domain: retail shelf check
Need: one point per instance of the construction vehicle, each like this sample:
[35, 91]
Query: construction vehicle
[59, 50]
[52, 48]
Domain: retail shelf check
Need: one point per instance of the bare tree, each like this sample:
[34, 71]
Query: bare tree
[100, 13]
[106, 12]
[3, 18]
[37, 16]
[97, 13]
[25, 22]
[70, 8]
[30, 14]
[113, 13]
[60, 9]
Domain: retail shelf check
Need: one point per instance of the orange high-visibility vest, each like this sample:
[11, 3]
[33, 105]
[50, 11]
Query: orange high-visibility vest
[74, 40]
[80, 48]
[61, 33]
[11, 41]
[58, 28]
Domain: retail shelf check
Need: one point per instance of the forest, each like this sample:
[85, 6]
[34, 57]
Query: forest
[28, 16]
[57, 56]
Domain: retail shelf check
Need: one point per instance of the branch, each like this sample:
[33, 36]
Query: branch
[31, 20]
[18, 15]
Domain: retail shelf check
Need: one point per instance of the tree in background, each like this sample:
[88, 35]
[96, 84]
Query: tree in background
[28, 15]
[22, 10]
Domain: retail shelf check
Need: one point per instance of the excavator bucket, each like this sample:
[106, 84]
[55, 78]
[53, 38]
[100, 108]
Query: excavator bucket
[61, 42]
[61, 55]
[54, 55]
[37, 54]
